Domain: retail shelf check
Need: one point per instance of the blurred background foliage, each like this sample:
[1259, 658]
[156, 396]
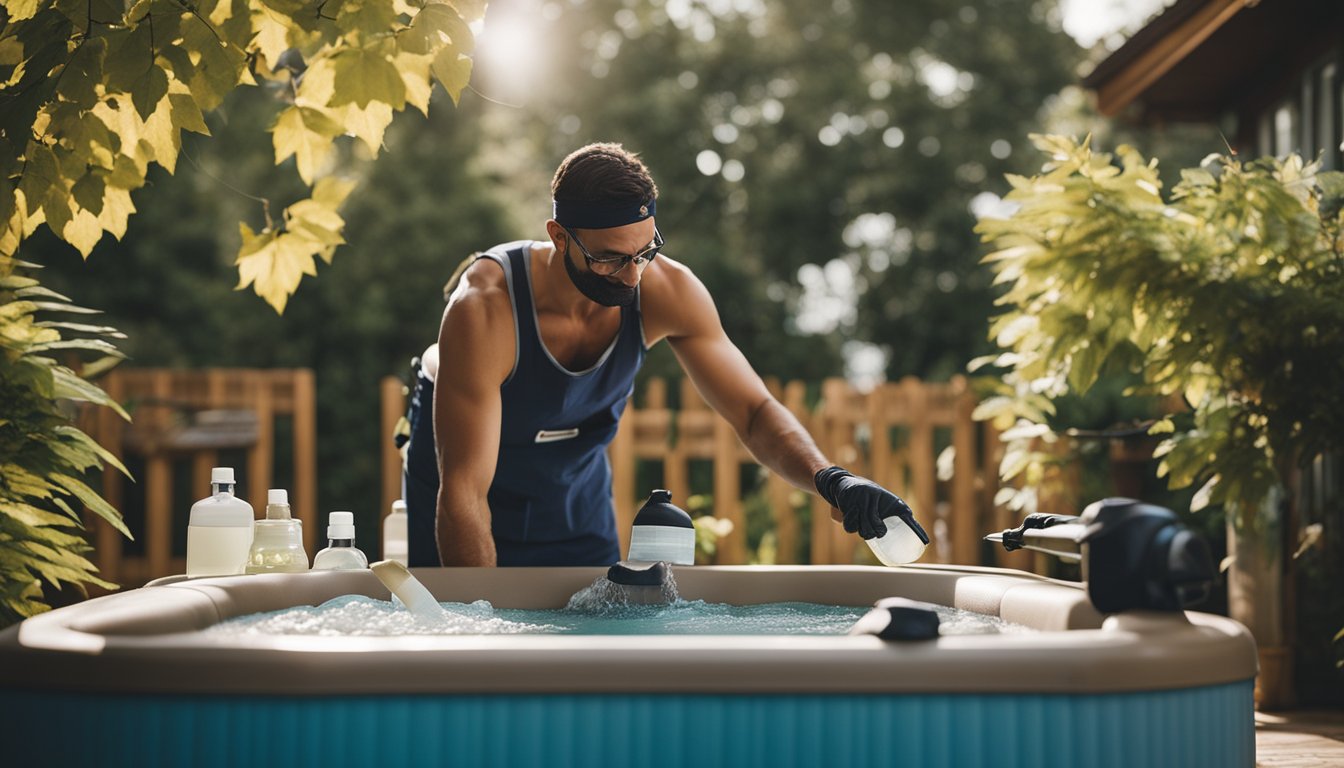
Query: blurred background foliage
[821, 167]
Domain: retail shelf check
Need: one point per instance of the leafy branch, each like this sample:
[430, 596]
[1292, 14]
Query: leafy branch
[1227, 294]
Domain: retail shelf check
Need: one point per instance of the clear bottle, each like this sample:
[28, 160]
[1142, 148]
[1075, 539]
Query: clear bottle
[219, 531]
[277, 542]
[899, 545]
[341, 553]
[394, 533]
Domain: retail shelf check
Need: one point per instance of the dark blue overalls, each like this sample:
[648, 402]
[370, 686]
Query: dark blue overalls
[550, 501]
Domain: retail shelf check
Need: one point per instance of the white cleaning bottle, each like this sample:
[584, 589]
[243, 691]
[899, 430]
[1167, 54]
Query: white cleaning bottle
[900, 545]
[394, 533]
[219, 531]
[340, 554]
[277, 541]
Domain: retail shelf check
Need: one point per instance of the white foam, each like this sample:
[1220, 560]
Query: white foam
[356, 615]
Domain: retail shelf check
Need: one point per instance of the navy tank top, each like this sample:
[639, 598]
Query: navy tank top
[551, 501]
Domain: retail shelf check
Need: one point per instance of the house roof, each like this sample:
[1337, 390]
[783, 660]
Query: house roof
[1200, 58]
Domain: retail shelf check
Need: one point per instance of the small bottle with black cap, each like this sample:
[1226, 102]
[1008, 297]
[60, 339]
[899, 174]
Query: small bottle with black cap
[341, 553]
[662, 532]
[662, 535]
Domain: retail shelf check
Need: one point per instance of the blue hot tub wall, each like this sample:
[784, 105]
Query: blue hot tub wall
[1208, 726]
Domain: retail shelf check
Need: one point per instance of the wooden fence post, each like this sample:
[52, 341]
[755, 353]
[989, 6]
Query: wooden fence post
[392, 398]
[966, 522]
[261, 456]
[111, 430]
[305, 455]
[159, 488]
[728, 493]
[923, 472]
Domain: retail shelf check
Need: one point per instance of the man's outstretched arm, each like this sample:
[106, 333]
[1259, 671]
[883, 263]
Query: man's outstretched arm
[773, 435]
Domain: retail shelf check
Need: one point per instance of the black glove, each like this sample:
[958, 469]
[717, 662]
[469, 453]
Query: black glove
[864, 503]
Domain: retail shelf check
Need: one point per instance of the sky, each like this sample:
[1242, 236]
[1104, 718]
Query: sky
[1091, 20]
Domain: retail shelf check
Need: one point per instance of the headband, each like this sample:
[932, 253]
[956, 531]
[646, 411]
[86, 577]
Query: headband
[585, 214]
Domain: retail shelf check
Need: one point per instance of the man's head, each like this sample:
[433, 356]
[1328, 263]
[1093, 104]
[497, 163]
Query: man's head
[602, 173]
[604, 203]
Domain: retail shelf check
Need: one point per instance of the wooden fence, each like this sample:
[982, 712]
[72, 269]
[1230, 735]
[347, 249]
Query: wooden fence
[893, 434]
[191, 416]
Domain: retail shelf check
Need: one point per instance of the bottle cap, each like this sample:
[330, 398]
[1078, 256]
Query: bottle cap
[399, 506]
[277, 504]
[341, 525]
[221, 476]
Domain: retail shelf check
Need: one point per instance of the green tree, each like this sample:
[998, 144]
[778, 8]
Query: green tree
[92, 96]
[843, 139]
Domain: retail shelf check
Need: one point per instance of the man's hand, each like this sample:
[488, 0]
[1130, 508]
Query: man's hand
[864, 504]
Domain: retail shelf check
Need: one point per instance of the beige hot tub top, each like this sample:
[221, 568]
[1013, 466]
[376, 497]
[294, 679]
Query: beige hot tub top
[149, 640]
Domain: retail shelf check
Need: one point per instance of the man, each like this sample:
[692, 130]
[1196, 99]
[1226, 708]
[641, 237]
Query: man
[536, 357]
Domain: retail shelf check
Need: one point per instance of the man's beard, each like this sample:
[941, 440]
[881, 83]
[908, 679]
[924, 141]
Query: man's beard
[598, 288]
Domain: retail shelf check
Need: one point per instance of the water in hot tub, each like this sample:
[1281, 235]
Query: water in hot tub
[597, 610]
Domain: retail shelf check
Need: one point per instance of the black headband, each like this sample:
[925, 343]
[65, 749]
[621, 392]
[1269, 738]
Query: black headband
[582, 214]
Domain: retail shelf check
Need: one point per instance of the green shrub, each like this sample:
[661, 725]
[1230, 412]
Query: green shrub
[1228, 294]
[44, 458]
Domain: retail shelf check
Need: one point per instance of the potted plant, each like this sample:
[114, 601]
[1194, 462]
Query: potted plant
[1227, 294]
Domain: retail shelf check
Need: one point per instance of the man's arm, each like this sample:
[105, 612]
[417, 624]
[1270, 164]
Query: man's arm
[684, 313]
[476, 346]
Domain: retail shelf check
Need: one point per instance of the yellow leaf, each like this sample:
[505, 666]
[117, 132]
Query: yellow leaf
[369, 123]
[122, 121]
[364, 75]
[305, 133]
[274, 263]
[117, 207]
[82, 231]
[318, 83]
[453, 70]
[316, 219]
[368, 17]
[19, 10]
[311, 220]
[11, 234]
[271, 36]
[162, 138]
[332, 191]
[415, 74]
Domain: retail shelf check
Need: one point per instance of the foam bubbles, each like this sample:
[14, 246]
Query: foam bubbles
[596, 610]
[359, 616]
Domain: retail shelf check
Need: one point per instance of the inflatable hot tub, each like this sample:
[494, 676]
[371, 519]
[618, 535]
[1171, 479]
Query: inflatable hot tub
[130, 679]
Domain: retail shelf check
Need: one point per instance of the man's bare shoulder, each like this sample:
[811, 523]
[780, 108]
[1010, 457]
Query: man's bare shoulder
[674, 302]
[478, 321]
[481, 296]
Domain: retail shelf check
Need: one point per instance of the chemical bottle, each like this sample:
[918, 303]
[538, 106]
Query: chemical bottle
[899, 545]
[662, 532]
[394, 533]
[219, 531]
[340, 554]
[277, 541]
